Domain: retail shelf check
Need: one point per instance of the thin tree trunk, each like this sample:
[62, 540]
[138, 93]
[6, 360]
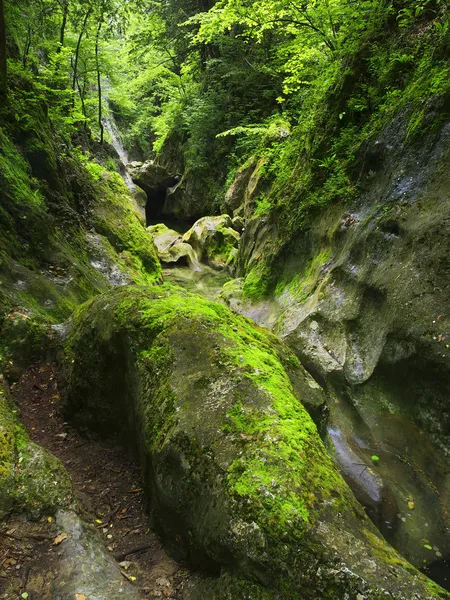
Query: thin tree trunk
[77, 51]
[27, 47]
[99, 82]
[3, 65]
[62, 31]
[81, 92]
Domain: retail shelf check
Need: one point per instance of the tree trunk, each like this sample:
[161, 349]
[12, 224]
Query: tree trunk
[99, 82]
[27, 47]
[77, 51]
[62, 31]
[3, 67]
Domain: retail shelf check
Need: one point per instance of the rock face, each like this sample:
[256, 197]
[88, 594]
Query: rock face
[363, 305]
[237, 477]
[214, 240]
[154, 180]
[248, 182]
[235, 194]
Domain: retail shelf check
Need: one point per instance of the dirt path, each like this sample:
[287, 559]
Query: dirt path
[108, 485]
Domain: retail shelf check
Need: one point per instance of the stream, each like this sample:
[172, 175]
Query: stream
[206, 282]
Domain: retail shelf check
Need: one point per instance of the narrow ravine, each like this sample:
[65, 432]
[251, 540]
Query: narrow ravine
[108, 486]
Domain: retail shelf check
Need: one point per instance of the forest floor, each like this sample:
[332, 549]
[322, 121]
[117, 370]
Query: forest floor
[107, 483]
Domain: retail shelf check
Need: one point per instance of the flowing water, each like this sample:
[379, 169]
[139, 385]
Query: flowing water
[206, 282]
[114, 134]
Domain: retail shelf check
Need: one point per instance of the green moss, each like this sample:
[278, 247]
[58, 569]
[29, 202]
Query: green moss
[222, 245]
[7, 431]
[288, 442]
[301, 286]
[234, 464]
[276, 472]
[31, 480]
[256, 282]
[25, 339]
[117, 221]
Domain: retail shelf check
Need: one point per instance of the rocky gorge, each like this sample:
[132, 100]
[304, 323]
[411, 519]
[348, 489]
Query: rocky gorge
[267, 345]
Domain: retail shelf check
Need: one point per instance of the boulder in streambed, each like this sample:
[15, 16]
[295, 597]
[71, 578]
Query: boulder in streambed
[171, 247]
[214, 240]
[237, 478]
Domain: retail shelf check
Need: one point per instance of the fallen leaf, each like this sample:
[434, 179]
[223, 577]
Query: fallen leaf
[24, 595]
[427, 546]
[80, 597]
[50, 519]
[375, 458]
[411, 505]
[59, 538]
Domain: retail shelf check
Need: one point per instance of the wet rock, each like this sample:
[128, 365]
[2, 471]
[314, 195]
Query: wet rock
[104, 260]
[214, 240]
[235, 194]
[171, 247]
[238, 224]
[85, 567]
[149, 174]
[237, 477]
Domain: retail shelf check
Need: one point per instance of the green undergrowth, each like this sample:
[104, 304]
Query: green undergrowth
[400, 72]
[54, 200]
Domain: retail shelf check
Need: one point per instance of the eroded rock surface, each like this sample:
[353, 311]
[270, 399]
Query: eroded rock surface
[362, 301]
[171, 247]
[236, 473]
[215, 241]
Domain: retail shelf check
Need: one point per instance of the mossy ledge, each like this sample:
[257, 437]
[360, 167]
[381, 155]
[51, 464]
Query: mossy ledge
[237, 477]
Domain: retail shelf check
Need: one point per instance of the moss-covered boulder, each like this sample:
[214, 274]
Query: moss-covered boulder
[214, 240]
[31, 480]
[171, 247]
[237, 476]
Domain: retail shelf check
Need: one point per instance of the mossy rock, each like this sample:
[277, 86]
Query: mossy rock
[26, 338]
[236, 473]
[115, 219]
[32, 481]
[214, 240]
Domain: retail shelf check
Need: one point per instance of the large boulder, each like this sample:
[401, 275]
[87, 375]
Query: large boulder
[149, 174]
[236, 474]
[171, 247]
[154, 180]
[214, 240]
